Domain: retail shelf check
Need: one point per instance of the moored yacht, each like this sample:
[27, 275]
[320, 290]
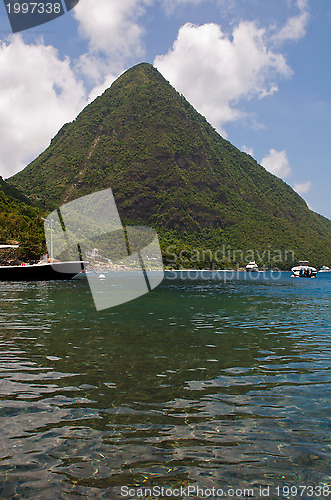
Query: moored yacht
[304, 270]
[325, 269]
[252, 266]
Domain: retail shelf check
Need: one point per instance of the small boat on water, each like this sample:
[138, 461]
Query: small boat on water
[304, 270]
[325, 269]
[252, 266]
[45, 270]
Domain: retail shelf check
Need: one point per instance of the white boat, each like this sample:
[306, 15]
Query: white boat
[252, 266]
[325, 269]
[44, 270]
[304, 270]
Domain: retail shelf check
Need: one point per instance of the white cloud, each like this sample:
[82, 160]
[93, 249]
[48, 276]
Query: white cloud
[38, 94]
[277, 163]
[110, 25]
[113, 33]
[295, 27]
[215, 70]
[303, 187]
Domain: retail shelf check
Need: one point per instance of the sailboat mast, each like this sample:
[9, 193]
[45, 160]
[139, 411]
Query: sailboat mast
[51, 240]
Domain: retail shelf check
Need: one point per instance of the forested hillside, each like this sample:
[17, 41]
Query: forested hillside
[20, 223]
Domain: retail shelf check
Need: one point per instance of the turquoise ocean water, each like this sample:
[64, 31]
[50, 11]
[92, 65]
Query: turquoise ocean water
[202, 383]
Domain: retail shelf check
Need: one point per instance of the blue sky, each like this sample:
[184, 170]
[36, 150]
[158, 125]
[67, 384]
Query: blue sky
[257, 69]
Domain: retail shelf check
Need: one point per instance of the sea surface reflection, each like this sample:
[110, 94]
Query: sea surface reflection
[200, 382]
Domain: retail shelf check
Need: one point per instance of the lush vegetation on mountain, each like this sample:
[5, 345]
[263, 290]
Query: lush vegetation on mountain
[168, 168]
[20, 223]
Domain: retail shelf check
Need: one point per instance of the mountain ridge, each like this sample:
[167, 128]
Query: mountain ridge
[169, 168]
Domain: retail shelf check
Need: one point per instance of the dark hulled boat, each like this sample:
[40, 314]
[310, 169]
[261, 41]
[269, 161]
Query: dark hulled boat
[42, 271]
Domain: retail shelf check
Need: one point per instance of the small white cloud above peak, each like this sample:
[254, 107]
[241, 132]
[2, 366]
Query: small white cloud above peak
[114, 33]
[111, 26]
